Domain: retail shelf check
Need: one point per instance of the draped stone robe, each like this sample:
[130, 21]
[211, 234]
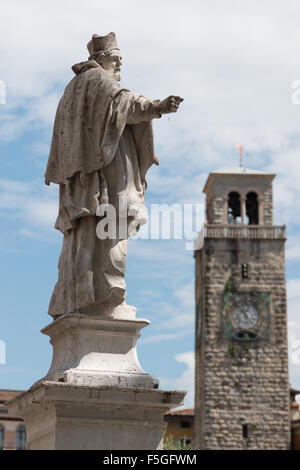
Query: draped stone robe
[102, 147]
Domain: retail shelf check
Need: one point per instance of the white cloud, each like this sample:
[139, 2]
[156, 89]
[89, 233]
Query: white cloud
[293, 247]
[28, 233]
[164, 337]
[158, 250]
[233, 64]
[176, 307]
[33, 206]
[209, 52]
[185, 381]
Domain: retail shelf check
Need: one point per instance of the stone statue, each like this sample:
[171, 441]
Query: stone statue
[102, 147]
[95, 395]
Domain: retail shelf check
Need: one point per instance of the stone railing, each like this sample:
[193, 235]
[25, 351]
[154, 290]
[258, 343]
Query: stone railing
[269, 232]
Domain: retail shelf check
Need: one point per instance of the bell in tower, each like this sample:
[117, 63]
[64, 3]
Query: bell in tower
[241, 387]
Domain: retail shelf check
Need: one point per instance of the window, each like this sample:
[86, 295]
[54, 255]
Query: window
[244, 271]
[1, 437]
[185, 424]
[234, 208]
[21, 438]
[252, 208]
[245, 431]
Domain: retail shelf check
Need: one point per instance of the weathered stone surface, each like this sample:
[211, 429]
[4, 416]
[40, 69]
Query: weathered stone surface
[95, 394]
[253, 387]
[241, 383]
[61, 416]
[101, 150]
[97, 351]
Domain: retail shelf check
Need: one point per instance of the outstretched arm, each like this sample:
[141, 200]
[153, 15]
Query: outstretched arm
[143, 109]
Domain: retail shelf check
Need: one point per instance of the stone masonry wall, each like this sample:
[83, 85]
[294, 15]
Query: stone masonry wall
[241, 383]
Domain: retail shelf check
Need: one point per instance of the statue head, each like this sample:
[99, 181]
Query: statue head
[105, 51]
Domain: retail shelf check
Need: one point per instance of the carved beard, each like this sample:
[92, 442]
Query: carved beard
[106, 66]
[117, 76]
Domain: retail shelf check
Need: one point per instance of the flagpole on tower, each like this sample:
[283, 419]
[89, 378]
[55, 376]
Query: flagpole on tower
[239, 146]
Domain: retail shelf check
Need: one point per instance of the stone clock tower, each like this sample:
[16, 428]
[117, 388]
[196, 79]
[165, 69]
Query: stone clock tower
[242, 386]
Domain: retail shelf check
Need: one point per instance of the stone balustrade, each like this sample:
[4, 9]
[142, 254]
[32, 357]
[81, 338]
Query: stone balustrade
[245, 231]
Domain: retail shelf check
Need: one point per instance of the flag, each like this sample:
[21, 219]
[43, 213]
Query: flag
[239, 146]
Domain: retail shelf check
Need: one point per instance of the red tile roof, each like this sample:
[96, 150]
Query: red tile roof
[181, 412]
[6, 395]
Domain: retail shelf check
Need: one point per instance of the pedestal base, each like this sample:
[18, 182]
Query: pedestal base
[63, 416]
[96, 395]
[97, 350]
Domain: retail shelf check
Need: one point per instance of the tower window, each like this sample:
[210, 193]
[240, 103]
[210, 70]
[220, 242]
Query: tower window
[234, 208]
[245, 271]
[252, 208]
[245, 431]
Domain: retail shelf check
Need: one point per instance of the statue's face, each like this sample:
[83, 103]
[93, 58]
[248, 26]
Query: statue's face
[112, 63]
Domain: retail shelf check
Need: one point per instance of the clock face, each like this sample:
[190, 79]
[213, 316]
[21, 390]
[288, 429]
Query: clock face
[246, 316]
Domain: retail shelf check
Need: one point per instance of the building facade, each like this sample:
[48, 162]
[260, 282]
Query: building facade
[12, 429]
[180, 425]
[241, 388]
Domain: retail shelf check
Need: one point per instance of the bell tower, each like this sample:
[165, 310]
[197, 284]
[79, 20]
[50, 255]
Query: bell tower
[241, 387]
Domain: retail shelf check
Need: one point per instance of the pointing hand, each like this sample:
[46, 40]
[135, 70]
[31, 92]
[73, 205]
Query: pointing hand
[169, 105]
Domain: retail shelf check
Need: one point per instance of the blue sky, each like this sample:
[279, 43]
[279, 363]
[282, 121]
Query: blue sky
[234, 63]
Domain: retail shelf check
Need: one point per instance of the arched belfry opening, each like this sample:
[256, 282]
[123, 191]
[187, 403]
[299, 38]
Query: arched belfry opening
[234, 208]
[229, 191]
[252, 208]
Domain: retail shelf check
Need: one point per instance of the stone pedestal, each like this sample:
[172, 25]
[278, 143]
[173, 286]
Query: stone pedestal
[97, 351]
[96, 394]
[62, 416]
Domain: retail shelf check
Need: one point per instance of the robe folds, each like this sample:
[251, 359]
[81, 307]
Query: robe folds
[101, 149]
